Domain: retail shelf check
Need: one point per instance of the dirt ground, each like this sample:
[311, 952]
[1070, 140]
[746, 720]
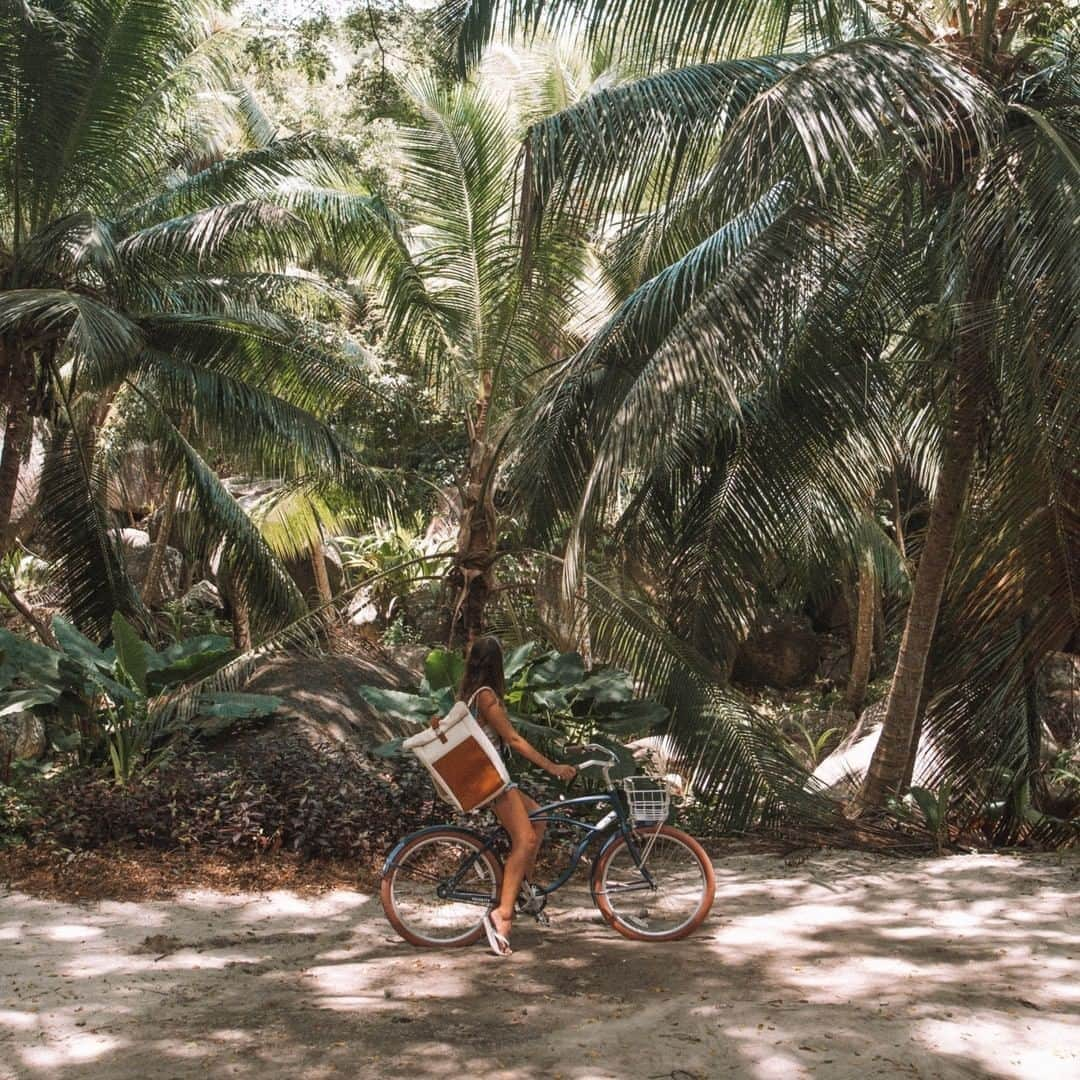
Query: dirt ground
[842, 965]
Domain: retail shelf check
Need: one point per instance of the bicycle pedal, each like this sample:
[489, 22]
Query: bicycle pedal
[542, 919]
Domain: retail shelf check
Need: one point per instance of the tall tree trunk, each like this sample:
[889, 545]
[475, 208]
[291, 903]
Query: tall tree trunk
[17, 431]
[318, 567]
[863, 644]
[473, 574]
[898, 515]
[896, 747]
[241, 612]
[152, 590]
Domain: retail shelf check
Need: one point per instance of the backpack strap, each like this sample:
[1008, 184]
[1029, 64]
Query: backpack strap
[476, 694]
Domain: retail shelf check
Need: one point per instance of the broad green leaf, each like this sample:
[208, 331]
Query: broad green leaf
[564, 669]
[443, 700]
[132, 653]
[78, 646]
[26, 660]
[607, 685]
[410, 707]
[555, 700]
[21, 700]
[391, 749]
[927, 803]
[199, 646]
[66, 743]
[234, 706]
[517, 659]
[443, 668]
[192, 659]
[646, 714]
[537, 731]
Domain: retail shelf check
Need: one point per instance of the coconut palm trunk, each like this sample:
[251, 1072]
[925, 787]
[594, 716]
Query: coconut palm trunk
[16, 434]
[863, 645]
[152, 590]
[897, 745]
[318, 569]
[473, 573]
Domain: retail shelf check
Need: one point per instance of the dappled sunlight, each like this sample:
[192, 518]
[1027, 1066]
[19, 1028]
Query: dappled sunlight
[64, 1048]
[843, 966]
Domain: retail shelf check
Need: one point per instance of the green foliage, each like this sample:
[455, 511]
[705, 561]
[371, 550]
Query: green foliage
[810, 278]
[929, 809]
[98, 702]
[815, 746]
[16, 812]
[551, 698]
[157, 233]
[265, 798]
[397, 556]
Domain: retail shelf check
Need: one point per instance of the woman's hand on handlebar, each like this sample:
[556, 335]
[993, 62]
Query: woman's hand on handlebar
[564, 772]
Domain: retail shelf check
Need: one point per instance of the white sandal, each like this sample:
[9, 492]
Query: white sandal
[500, 944]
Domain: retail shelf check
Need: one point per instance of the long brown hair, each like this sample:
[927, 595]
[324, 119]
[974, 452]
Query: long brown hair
[483, 667]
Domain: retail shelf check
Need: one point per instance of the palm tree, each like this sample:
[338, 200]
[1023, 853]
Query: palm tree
[452, 294]
[150, 285]
[895, 191]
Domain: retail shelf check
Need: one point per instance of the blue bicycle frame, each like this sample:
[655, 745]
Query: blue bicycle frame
[450, 889]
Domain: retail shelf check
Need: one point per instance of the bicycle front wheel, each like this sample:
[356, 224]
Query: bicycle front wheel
[664, 898]
[438, 888]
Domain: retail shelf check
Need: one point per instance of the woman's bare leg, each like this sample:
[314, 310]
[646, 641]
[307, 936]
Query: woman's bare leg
[539, 828]
[510, 808]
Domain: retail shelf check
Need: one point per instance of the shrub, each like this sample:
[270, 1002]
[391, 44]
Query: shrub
[326, 803]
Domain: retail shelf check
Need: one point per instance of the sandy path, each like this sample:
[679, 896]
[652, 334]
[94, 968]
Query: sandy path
[844, 966]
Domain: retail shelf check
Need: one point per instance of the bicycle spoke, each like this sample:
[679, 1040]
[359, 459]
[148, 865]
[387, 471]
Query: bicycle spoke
[670, 901]
[436, 887]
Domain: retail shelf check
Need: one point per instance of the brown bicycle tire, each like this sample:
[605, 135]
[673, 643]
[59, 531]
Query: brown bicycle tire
[386, 890]
[630, 932]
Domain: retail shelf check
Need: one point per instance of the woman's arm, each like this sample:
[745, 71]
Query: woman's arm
[494, 715]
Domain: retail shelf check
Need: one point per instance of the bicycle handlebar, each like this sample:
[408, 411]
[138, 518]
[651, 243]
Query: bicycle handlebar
[604, 764]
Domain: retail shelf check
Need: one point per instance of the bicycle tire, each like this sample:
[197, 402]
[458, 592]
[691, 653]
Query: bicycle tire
[398, 914]
[616, 856]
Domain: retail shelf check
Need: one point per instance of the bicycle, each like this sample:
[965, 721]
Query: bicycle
[650, 881]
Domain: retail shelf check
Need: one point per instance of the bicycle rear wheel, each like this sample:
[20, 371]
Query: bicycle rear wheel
[439, 887]
[679, 897]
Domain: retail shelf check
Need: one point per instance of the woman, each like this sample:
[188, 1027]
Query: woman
[484, 686]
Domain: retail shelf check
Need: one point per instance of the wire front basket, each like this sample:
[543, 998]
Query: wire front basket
[648, 800]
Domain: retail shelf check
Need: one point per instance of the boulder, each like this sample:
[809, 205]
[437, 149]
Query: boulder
[137, 483]
[137, 549]
[842, 773]
[362, 610]
[201, 597]
[321, 703]
[22, 736]
[32, 576]
[782, 651]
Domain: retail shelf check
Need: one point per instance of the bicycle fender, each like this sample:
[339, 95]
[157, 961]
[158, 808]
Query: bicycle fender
[395, 851]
